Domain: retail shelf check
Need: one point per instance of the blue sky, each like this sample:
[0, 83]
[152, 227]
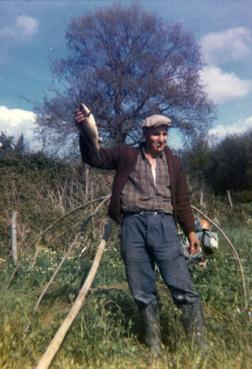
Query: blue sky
[32, 33]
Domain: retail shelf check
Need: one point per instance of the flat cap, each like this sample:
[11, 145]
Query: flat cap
[156, 120]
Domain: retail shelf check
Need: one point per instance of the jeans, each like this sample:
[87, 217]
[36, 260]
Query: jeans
[149, 240]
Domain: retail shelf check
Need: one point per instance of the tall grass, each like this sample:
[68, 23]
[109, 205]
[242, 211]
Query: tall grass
[107, 333]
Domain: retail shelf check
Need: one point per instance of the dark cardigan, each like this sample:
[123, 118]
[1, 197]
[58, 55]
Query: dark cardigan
[122, 159]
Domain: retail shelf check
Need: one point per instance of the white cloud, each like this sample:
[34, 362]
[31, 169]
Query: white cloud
[223, 86]
[23, 29]
[229, 45]
[221, 131]
[14, 122]
[28, 26]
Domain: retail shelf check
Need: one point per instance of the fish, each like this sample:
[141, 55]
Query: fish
[89, 128]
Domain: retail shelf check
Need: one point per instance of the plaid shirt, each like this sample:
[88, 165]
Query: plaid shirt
[145, 190]
[122, 159]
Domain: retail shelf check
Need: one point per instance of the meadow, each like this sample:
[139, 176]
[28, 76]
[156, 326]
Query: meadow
[107, 332]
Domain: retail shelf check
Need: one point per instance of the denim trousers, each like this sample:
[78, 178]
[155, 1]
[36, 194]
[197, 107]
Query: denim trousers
[150, 240]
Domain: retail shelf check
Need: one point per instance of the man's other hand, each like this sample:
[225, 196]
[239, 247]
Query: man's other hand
[194, 244]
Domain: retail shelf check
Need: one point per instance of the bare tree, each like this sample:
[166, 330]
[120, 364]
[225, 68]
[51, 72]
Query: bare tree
[125, 64]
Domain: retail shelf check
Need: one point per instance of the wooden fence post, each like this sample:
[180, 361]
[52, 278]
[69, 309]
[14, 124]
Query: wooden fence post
[201, 197]
[14, 237]
[86, 181]
[229, 198]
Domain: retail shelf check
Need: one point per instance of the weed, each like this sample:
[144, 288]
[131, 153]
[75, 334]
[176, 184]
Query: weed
[107, 332]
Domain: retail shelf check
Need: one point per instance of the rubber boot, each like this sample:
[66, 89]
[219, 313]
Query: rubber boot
[194, 324]
[151, 321]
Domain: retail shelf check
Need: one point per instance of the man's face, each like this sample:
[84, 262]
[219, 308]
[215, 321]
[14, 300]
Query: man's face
[156, 139]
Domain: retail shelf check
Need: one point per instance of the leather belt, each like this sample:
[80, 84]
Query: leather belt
[142, 212]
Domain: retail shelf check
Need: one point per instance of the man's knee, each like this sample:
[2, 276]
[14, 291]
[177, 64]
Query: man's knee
[184, 297]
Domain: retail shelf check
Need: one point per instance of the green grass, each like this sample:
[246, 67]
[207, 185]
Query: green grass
[107, 332]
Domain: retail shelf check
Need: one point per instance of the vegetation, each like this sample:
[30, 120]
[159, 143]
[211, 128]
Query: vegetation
[123, 73]
[107, 332]
[225, 166]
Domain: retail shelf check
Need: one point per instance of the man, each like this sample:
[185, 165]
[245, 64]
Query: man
[149, 196]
